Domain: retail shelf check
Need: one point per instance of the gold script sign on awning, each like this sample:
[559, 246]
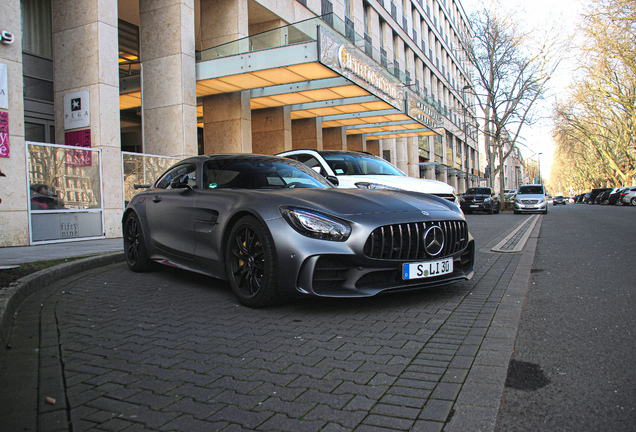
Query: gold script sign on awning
[340, 57]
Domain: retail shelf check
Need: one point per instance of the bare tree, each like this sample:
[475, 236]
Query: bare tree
[512, 69]
[598, 119]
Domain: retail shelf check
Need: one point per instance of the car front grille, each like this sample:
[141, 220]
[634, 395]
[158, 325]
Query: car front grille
[406, 241]
[529, 201]
[449, 197]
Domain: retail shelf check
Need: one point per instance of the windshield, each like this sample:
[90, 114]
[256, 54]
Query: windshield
[359, 164]
[531, 190]
[260, 174]
[478, 191]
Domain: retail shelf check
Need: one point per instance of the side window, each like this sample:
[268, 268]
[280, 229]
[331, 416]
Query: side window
[313, 163]
[310, 161]
[178, 172]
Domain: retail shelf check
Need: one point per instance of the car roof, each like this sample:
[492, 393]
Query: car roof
[330, 152]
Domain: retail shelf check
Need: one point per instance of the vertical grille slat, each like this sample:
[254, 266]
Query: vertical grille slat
[417, 240]
[406, 241]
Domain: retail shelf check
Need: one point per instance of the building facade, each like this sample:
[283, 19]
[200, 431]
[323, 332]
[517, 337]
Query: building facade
[137, 84]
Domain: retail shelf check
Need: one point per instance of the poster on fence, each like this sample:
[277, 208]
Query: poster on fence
[78, 138]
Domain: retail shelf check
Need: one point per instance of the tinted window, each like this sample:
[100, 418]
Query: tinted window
[359, 164]
[189, 170]
[259, 174]
[480, 191]
[531, 190]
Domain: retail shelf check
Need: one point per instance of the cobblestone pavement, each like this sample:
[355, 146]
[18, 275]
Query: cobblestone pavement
[112, 350]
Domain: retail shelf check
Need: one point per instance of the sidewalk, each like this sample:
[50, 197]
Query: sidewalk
[52, 251]
[448, 377]
[97, 253]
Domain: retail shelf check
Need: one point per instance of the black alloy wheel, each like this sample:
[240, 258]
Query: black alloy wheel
[250, 263]
[135, 246]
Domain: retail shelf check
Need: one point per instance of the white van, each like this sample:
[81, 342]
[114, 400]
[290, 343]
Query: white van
[531, 198]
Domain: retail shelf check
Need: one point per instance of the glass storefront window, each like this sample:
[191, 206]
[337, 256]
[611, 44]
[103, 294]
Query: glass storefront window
[70, 177]
[36, 27]
[65, 193]
[34, 132]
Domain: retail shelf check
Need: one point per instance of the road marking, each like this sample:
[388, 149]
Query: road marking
[516, 240]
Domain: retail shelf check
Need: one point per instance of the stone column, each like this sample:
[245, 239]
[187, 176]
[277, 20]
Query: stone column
[85, 53]
[357, 142]
[271, 130]
[13, 187]
[227, 118]
[223, 21]
[401, 154]
[166, 43]
[307, 133]
[227, 123]
[413, 157]
[334, 138]
[373, 147]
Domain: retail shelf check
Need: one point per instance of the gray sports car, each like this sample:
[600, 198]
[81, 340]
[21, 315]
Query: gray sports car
[274, 228]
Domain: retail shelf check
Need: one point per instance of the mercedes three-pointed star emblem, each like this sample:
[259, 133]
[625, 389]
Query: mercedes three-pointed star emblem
[434, 240]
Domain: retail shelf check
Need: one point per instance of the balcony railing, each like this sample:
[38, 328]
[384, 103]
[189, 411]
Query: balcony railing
[307, 31]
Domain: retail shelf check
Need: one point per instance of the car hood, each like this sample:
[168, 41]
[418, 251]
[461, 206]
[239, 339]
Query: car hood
[400, 182]
[349, 202]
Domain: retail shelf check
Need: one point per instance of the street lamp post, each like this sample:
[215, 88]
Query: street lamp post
[539, 162]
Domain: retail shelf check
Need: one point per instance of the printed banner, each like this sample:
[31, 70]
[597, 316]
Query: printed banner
[80, 138]
[4, 134]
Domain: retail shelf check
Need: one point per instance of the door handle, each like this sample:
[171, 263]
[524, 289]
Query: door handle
[156, 198]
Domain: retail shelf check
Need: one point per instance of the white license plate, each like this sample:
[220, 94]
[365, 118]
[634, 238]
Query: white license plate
[427, 269]
[474, 205]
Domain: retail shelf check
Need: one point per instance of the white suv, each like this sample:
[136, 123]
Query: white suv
[531, 198]
[366, 171]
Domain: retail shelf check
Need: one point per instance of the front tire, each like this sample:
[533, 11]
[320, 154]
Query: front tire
[250, 264]
[632, 201]
[135, 245]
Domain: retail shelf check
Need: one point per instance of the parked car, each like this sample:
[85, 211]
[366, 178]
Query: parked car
[531, 198]
[559, 199]
[509, 195]
[628, 196]
[595, 193]
[615, 195]
[603, 197]
[482, 199]
[359, 170]
[275, 228]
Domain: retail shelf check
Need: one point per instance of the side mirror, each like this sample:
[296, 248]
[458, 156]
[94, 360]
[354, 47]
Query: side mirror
[333, 179]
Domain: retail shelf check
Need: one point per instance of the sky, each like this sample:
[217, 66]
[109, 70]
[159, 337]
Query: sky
[539, 14]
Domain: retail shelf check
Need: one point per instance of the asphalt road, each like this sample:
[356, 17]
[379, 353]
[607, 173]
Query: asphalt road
[573, 365]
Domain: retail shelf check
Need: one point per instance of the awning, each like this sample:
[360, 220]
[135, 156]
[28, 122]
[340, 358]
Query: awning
[318, 72]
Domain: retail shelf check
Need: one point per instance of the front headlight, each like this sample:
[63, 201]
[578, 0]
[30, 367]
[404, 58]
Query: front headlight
[366, 185]
[487, 200]
[316, 225]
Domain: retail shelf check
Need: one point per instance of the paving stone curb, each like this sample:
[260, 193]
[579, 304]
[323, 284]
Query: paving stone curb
[477, 405]
[12, 296]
